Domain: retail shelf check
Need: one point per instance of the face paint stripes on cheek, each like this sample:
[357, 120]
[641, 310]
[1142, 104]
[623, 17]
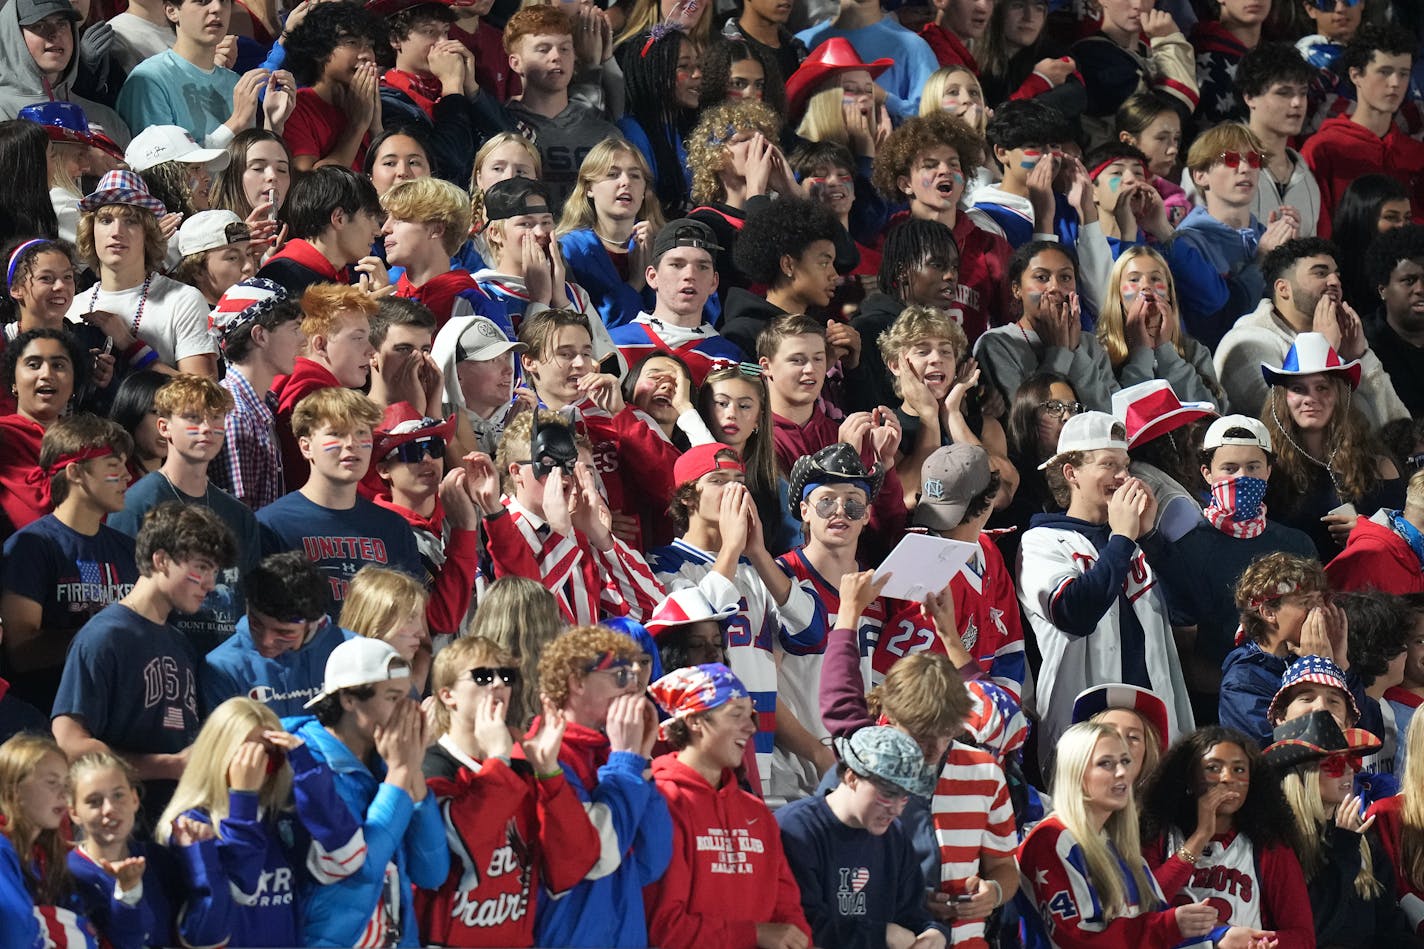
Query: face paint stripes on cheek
[195, 577]
[365, 444]
[331, 444]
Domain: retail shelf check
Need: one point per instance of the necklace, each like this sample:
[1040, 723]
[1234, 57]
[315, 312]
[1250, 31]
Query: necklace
[183, 499]
[1327, 464]
[142, 299]
[618, 245]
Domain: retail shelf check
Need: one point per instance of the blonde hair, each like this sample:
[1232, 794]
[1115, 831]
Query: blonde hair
[155, 245]
[1227, 137]
[924, 695]
[708, 151]
[59, 176]
[323, 305]
[646, 14]
[1151, 743]
[916, 324]
[1301, 787]
[187, 392]
[20, 755]
[934, 93]
[520, 616]
[1411, 811]
[579, 212]
[337, 408]
[1112, 319]
[432, 201]
[379, 600]
[204, 786]
[822, 119]
[101, 761]
[1076, 748]
[477, 194]
[459, 657]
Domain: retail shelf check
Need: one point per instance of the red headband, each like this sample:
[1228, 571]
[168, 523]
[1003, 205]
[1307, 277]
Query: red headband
[78, 457]
[1093, 175]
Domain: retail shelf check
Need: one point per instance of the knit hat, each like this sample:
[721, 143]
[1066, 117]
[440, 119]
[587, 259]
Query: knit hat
[887, 754]
[1316, 670]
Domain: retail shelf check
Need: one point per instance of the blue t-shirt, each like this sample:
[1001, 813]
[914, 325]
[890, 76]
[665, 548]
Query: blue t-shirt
[342, 542]
[72, 576]
[168, 90]
[913, 59]
[132, 682]
[218, 617]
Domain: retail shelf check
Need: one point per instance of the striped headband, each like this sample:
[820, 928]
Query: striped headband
[15, 257]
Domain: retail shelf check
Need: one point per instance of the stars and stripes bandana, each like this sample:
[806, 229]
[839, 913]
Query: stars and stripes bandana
[1236, 507]
[694, 689]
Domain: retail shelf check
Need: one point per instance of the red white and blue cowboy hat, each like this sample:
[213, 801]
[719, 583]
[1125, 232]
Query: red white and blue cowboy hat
[1151, 408]
[681, 607]
[1311, 353]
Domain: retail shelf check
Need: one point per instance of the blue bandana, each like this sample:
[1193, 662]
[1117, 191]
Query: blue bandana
[1409, 532]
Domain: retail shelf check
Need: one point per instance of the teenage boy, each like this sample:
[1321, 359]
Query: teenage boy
[279, 651]
[65, 567]
[427, 219]
[958, 25]
[260, 329]
[1303, 297]
[333, 217]
[1274, 82]
[337, 528]
[372, 735]
[590, 675]
[1395, 262]
[130, 681]
[141, 31]
[540, 44]
[683, 274]
[761, 24]
[409, 464]
[542, 518]
[633, 457]
[192, 411]
[477, 362]
[1087, 583]
[1205, 565]
[185, 86]
[877, 35]
[402, 334]
[331, 53]
[851, 857]
[1367, 141]
[1385, 552]
[720, 550]
[337, 327]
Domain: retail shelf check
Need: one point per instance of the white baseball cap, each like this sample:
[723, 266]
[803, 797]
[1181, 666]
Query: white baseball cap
[160, 143]
[360, 661]
[1089, 431]
[1216, 435]
[209, 230]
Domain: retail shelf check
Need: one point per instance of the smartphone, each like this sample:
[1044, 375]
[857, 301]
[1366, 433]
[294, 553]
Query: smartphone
[609, 366]
[964, 898]
[272, 197]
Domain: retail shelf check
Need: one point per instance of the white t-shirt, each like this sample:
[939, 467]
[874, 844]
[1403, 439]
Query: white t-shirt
[138, 39]
[174, 321]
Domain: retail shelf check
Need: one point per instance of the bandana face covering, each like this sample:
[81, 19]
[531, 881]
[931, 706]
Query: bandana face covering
[1236, 507]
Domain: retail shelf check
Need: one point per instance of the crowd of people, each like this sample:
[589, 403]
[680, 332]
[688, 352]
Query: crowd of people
[448, 451]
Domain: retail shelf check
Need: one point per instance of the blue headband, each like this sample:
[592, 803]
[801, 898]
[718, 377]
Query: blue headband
[15, 258]
[806, 491]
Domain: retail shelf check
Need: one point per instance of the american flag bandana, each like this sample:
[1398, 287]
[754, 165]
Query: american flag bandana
[1236, 507]
[694, 689]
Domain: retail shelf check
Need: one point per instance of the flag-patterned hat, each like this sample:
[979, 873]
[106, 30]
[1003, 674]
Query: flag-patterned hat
[1313, 669]
[1313, 737]
[1151, 408]
[1147, 706]
[1309, 354]
[122, 187]
[244, 302]
[680, 607]
[692, 689]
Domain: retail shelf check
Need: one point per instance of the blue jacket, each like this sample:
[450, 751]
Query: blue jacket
[283, 684]
[1251, 677]
[170, 879]
[23, 925]
[590, 267]
[1231, 254]
[397, 831]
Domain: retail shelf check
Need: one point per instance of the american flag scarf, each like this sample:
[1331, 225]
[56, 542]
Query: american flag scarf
[1236, 507]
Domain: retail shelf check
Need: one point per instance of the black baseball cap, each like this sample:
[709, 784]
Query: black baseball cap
[684, 232]
[31, 12]
[515, 196]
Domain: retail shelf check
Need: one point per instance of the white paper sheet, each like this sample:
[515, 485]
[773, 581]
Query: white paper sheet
[923, 563]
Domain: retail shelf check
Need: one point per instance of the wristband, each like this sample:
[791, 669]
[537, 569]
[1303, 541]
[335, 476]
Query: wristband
[146, 359]
[556, 773]
[998, 893]
[134, 349]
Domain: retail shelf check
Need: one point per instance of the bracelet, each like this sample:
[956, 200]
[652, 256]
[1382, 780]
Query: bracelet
[1187, 855]
[556, 773]
[998, 893]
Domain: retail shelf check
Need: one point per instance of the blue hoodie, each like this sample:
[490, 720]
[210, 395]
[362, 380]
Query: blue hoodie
[397, 830]
[1232, 253]
[283, 684]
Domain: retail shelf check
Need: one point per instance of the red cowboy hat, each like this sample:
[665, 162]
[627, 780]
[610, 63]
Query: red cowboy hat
[832, 58]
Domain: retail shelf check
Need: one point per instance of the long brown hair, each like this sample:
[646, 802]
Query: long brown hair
[1352, 456]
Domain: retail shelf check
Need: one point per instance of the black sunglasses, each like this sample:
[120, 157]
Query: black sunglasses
[411, 452]
[485, 675]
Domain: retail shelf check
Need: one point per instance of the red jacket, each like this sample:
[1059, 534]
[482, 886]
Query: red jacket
[451, 582]
[307, 376]
[1375, 558]
[1343, 151]
[1389, 823]
[508, 832]
[728, 871]
[24, 494]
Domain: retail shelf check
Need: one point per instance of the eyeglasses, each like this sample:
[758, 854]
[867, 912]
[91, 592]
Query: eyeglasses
[854, 510]
[1060, 409]
[1336, 766]
[887, 795]
[1415, 461]
[623, 676]
[411, 452]
[1234, 159]
[484, 676]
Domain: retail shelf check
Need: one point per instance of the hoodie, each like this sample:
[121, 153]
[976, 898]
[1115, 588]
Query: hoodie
[1251, 677]
[1343, 151]
[744, 316]
[1232, 254]
[1376, 558]
[307, 376]
[21, 83]
[445, 352]
[283, 683]
[728, 871]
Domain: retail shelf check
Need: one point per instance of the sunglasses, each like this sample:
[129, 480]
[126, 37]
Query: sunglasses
[484, 676]
[826, 507]
[411, 452]
[1234, 159]
[1328, 6]
[1060, 409]
[1337, 766]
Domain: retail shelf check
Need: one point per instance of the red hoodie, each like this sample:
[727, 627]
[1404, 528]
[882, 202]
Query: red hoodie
[1375, 558]
[1343, 151]
[728, 872]
[451, 581]
[307, 376]
[24, 495]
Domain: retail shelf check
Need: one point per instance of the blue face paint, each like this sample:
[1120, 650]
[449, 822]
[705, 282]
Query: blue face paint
[1030, 158]
[1035, 297]
[1114, 182]
[1129, 294]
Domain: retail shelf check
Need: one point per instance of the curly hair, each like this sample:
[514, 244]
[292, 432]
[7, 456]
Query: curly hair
[79, 359]
[707, 146]
[24, 269]
[571, 653]
[787, 227]
[170, 182]
[919, 134]
[1260, 583]
[1023, 123]
[717, 61]
[325, 28]
[1268, 64]
[1352, 451]
[1390, 249]
[1170, 799]
[1389, 39]
[1381, 625]
[184, 532]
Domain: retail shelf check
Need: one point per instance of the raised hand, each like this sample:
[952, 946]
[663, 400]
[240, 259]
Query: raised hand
[542, 750]
[248, 768]
[557, 509]
[279, 101]
[538, 270]
[187, 831]
[603, 390]
[1159, 23]
[490, 729]
[482, 481]
[128, 872]
[885, 434]
[1348, 816]
[734, 525]
[625, 723]
[858, 589]
[1124, 512]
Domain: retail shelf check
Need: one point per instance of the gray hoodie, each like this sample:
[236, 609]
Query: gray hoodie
[21, 83]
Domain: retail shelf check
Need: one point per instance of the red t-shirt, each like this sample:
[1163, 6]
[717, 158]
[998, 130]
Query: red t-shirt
[316, 126]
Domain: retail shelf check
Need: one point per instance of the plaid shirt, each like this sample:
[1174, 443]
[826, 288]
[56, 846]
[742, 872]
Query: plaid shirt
[250, 466]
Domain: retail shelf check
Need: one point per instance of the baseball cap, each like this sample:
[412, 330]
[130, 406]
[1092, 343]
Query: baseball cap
[160, 143]
[1216, 436]
[482, 339]
[360, 661]
[887, 754]
[31, 12]
[1089, 431]
[951, 478]
[515, 196]
[703, 460]
[209, 230]
[684, 232]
